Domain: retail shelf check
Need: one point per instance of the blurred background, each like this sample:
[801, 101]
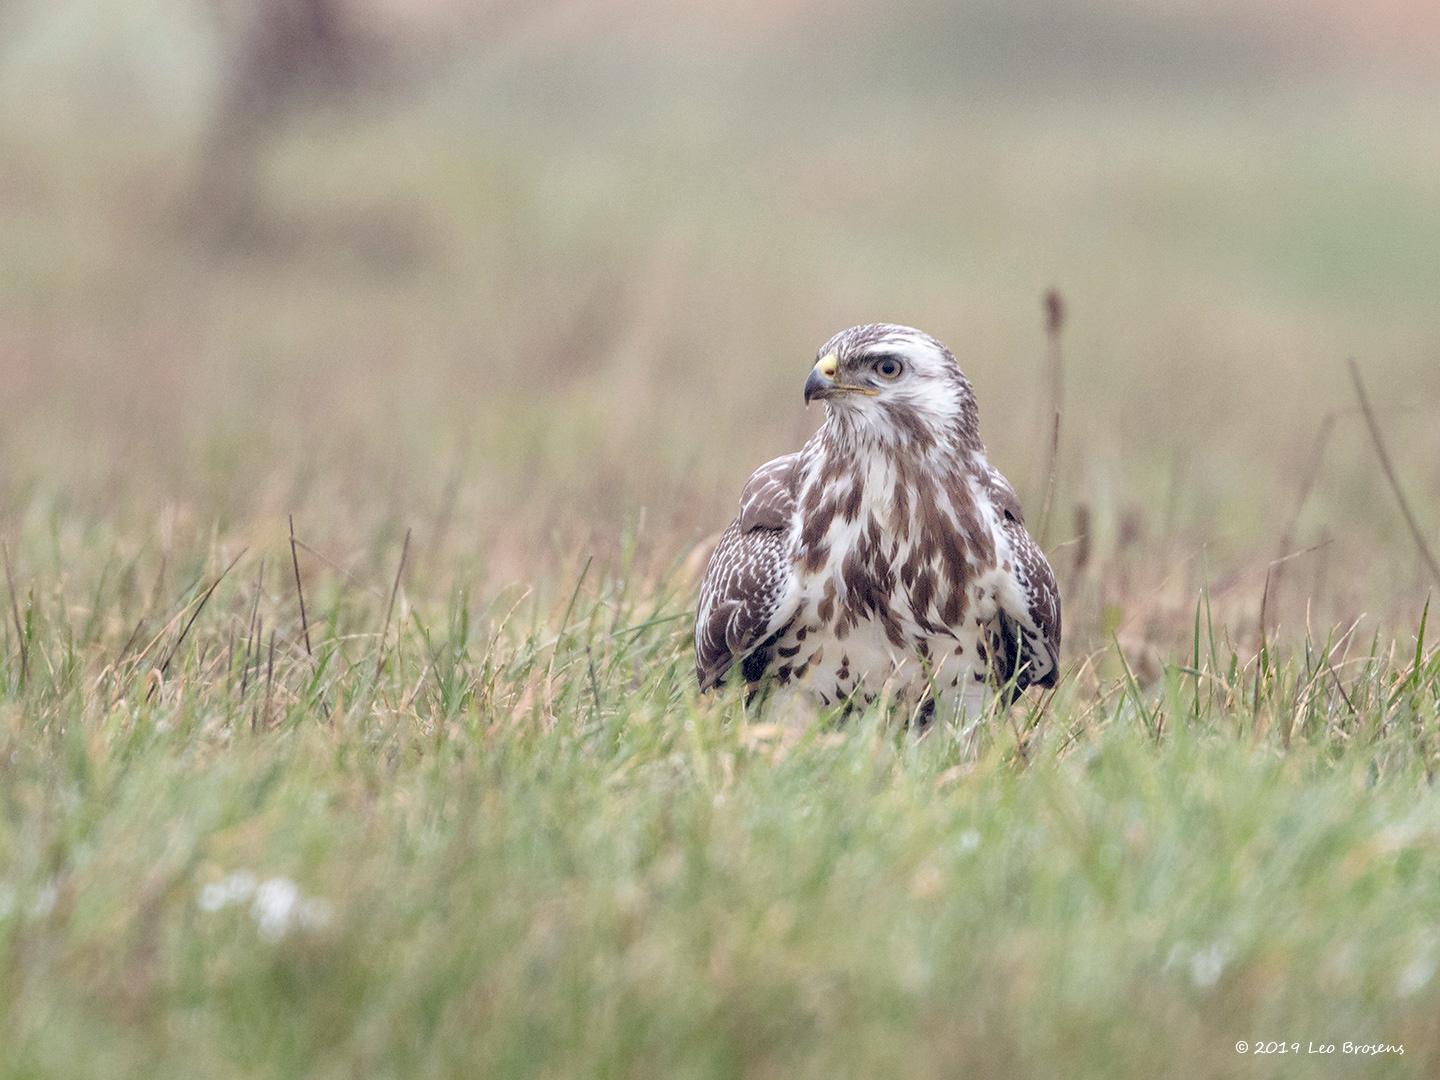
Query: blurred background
[534, 277]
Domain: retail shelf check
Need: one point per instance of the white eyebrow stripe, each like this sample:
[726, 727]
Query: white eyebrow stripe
[898, 345]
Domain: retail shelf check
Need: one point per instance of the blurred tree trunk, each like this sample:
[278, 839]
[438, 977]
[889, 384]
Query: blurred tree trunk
[282, 53]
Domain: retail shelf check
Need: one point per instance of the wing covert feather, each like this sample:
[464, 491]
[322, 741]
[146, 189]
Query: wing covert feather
[749, 589]
[1028, 645]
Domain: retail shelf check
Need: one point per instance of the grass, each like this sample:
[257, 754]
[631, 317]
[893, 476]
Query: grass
[513, 331]
[519, 845]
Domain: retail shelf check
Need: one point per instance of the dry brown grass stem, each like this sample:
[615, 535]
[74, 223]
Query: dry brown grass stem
[129, 642]
[390, 609]
[350, 578]
[1055, 363]
[1421, 544]
[180, 640]
[269, 676]
[1273, 573]
[252, 639]
[299, 589]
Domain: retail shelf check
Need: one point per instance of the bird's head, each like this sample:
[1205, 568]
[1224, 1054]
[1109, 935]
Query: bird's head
[894, 384]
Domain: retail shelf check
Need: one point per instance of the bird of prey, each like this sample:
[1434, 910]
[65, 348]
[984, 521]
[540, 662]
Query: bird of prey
[888, 554]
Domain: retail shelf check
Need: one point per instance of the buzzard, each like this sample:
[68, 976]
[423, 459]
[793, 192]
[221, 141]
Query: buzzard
[886, 552]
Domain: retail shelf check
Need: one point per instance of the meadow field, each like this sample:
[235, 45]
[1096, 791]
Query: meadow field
[358, 447]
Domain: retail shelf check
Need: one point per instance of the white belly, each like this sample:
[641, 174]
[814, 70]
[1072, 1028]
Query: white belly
[865, 666]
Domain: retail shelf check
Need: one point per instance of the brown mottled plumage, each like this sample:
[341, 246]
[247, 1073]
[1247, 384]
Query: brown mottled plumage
[887, 551]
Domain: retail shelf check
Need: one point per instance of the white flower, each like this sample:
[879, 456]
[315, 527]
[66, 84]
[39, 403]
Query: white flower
[232, 889]
[275, 908]
[968, 840]
[277, 904]
[1206, 966]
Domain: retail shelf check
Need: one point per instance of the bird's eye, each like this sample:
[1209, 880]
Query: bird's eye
[888, 366]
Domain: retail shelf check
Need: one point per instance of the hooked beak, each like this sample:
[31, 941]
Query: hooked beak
[821, 381]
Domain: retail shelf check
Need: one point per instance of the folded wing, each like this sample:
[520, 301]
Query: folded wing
[750, 590]
[1025, 634]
